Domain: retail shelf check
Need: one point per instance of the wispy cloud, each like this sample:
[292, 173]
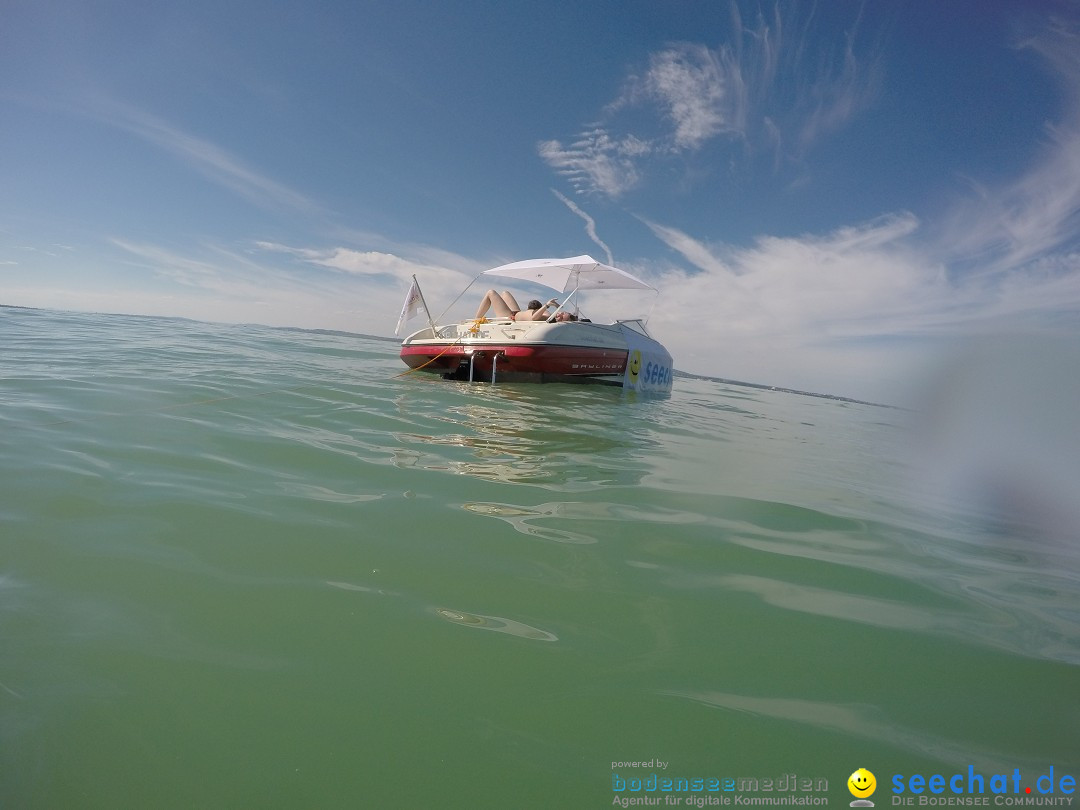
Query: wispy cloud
[167, 264]
[590, 224]
[367, 263]
[822, 309]
[775, 87]
[276, 284]
[226, 273]
[385, 275]
[597, 162]
[700, 91]
[1000, 230]
[830, 94]
[695, 252]
[212, 161]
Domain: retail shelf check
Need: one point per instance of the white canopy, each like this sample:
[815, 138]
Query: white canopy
[577, 272]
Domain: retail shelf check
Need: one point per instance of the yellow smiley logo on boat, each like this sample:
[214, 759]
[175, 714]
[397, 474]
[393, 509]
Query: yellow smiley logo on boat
[635, 365]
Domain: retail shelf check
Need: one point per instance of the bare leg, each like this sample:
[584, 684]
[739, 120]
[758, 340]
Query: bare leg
[498, 304]
[510, 301]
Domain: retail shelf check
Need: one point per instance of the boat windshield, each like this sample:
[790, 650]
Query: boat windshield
[635, 324]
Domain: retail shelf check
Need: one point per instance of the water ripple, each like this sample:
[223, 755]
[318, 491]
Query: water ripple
[496, 624]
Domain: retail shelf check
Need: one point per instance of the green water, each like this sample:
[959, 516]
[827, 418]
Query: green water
[245, 567]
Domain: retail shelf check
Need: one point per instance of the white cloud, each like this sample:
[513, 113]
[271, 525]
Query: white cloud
[847, 311]
[809, 289]
[377, 278]
[347, 260]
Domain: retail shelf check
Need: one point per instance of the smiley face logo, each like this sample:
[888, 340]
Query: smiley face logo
[635, 365]
[862, 784]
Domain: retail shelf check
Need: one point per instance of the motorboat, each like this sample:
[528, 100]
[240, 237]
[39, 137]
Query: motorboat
[573, 350]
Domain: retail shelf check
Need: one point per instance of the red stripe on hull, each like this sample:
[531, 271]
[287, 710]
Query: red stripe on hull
[537, 359]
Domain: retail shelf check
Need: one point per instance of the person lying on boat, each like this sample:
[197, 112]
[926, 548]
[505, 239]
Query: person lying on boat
[503, 305]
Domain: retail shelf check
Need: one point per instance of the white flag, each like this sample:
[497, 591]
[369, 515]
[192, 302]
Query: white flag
[413, 301]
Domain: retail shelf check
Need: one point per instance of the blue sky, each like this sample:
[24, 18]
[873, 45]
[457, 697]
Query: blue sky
[824, 193]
